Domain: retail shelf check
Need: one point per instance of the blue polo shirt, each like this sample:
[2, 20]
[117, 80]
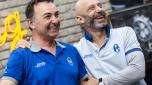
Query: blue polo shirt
[37, 66]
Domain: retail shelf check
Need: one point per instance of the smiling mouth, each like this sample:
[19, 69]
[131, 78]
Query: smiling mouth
[100, 18]
[53, 29]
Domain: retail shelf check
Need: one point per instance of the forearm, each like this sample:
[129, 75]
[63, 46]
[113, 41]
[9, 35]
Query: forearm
[6, 82]
[131, 74]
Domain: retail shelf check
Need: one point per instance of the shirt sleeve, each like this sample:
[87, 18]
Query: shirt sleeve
[131, 43]
[134, 73]
[13, 70]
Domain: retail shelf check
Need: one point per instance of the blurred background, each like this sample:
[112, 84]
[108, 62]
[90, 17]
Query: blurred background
[134, 13]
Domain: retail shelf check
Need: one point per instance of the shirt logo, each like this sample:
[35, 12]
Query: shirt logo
[69, 60]
[116, 48]
[38, 65]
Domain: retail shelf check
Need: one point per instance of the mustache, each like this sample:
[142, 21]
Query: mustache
[91, 20]
[98, 14]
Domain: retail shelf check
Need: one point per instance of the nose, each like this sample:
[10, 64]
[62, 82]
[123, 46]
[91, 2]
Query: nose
[99, 9]
[55, 20]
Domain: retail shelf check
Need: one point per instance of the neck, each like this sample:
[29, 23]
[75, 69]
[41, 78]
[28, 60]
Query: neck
[98, 37]
[49, 45]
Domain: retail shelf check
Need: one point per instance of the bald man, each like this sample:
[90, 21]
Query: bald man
[113, 56]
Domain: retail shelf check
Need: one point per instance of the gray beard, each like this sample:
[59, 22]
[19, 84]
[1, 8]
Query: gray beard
[91, 23]
[98, 26]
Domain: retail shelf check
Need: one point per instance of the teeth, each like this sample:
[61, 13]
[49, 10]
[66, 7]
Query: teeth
[100, 17]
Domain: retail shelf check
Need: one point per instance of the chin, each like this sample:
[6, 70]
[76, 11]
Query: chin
[101, 26]
[55, 34]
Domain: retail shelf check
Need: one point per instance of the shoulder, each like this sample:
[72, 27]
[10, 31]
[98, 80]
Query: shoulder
[20, 51]
[80, 44]
[122, 29]
[70, 49]
[122, 32]
[17, 57]
[68, 46]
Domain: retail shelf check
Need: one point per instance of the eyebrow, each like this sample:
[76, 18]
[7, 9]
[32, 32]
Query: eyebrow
[57, 12]
[99, 4]
[47, 14]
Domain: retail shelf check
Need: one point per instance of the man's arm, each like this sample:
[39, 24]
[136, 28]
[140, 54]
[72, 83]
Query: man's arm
[133, 73]
[135, 70]
[14, 69]
[7, 82]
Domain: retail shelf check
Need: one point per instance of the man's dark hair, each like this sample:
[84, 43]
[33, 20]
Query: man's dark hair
[29, 12]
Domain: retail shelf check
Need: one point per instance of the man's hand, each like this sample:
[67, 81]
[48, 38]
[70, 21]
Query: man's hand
[91, 81]
[23, 44]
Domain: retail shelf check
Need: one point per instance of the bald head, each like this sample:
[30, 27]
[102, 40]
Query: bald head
[82, 5]
[79, 7]
[90, 14]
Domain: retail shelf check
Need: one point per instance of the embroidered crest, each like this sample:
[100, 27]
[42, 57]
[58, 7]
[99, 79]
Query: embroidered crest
[116, 48]
[69, 60]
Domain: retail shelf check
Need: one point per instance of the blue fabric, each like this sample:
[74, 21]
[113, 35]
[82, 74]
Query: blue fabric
[108, 31]
[89, 37]
[43, 68]
[132, 50]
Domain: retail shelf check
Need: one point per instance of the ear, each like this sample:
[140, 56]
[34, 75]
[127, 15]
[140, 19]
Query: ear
[31, 24]
[80, 19]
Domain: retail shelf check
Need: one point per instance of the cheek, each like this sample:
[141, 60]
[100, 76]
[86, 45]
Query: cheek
[43, 24]
[91, 13]
[39, 23]
[58, 21]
